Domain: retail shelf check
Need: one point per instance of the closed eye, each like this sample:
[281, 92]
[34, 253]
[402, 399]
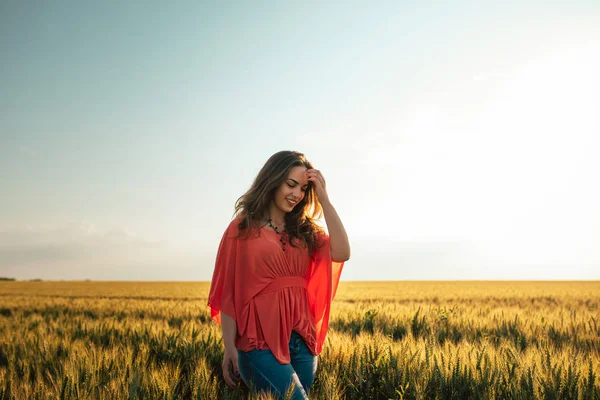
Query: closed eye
[304, 189]
[295, 182]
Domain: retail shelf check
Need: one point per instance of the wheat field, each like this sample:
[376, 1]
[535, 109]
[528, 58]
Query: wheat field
[387, 340]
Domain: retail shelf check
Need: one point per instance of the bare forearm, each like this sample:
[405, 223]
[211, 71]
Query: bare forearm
[229, 330]
[340, 246]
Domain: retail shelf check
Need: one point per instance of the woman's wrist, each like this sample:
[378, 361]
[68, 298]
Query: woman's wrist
[325, 203]
[229, 347]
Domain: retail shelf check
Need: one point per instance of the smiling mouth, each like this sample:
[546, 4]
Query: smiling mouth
[290, 202]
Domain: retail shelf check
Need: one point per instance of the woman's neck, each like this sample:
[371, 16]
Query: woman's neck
[277, 216]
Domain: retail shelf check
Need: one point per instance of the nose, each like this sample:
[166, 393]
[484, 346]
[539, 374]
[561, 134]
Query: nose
[297, 193]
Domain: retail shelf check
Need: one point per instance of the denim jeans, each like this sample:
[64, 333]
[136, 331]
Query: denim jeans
[261, 371]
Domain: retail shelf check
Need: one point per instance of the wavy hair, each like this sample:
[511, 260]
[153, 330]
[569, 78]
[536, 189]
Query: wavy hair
[253, 206]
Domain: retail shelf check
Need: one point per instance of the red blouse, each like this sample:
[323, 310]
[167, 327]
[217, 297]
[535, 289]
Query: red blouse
[270, 292]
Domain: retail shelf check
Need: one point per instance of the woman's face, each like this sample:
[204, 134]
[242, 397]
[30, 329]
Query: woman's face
[292, 190]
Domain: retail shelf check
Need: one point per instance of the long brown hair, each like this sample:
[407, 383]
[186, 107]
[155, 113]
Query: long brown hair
[253, 206]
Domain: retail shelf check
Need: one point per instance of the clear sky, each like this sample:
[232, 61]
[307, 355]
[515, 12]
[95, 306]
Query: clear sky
[459, 139]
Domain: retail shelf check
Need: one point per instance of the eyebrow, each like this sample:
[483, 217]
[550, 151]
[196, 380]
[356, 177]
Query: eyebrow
[295, 181]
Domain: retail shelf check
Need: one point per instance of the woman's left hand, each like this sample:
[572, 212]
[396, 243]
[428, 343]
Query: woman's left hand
[318, 181]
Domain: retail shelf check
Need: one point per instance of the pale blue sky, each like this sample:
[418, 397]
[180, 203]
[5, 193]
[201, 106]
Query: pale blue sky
[459, 139]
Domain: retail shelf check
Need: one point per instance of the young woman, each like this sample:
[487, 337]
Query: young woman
[275, 276]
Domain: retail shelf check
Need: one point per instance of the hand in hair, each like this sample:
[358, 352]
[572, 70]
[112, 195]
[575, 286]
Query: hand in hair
[316, 177]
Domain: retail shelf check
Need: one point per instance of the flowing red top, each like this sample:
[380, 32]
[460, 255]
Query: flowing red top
[270, 292]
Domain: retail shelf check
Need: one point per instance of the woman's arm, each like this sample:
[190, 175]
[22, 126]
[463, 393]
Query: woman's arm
[231, 373]
[338, 238]
[229, 330]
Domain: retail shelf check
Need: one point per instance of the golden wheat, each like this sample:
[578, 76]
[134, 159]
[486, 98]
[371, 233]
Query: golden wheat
[411, 340]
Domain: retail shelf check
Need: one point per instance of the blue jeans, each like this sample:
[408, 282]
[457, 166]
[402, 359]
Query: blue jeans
[261, 371]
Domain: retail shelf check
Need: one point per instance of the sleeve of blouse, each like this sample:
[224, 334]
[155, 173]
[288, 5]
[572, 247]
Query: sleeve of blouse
[322, 286]
[336, 268]
[221, 294]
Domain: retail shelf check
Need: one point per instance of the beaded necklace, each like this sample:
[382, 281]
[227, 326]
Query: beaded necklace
[277, 232]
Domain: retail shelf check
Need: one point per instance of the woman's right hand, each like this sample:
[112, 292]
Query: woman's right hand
[231, 373]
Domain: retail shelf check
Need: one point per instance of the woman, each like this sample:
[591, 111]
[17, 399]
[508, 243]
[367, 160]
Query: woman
[275, 276]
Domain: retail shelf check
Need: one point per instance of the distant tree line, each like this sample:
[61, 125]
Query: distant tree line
[4, 278]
